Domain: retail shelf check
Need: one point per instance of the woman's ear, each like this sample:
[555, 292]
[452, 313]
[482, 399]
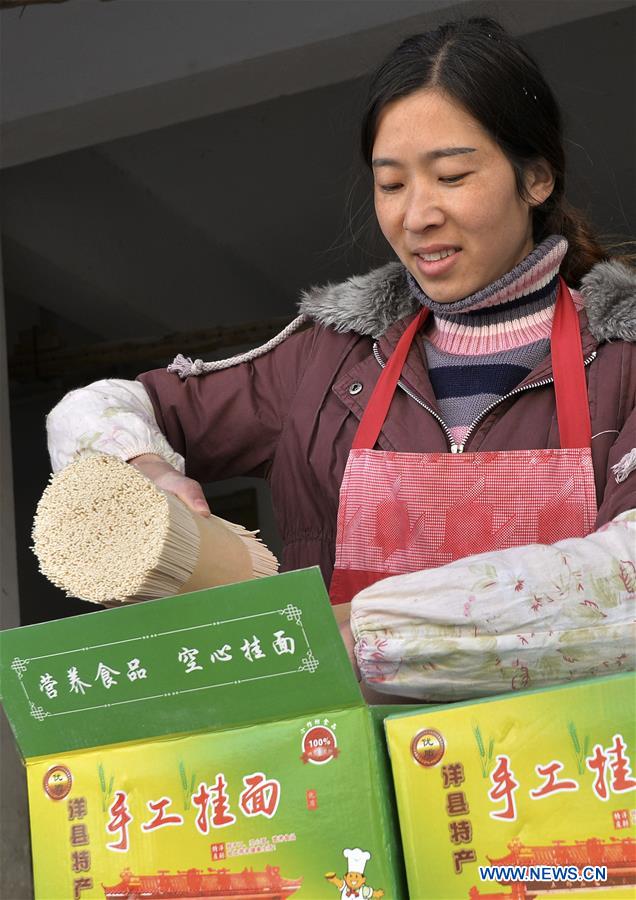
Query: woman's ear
[539, 182]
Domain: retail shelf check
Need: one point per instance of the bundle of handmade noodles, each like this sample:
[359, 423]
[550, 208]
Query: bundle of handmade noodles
[105, 533]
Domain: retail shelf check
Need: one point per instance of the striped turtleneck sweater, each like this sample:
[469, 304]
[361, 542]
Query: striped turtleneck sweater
[481, 347]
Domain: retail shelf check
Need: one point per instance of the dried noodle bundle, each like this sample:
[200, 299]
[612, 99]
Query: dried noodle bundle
[105, 533]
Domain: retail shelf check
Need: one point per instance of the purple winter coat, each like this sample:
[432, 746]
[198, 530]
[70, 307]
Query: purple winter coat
[290, 415]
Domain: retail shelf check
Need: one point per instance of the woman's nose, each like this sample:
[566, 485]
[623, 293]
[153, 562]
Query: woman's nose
[422, 211]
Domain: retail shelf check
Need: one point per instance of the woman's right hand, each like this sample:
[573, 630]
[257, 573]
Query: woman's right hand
[170, 480]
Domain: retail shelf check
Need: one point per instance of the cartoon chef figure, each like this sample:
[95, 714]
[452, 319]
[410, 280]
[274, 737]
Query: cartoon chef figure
[353, 886]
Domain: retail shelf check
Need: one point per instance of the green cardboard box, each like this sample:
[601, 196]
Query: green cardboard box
[209, 745]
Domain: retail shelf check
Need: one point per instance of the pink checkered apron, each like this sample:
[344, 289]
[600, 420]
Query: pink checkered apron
[401, 512]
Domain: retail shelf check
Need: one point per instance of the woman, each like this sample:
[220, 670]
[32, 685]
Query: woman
[471, 330]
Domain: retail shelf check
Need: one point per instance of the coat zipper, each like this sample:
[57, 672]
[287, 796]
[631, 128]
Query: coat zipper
[459, 448]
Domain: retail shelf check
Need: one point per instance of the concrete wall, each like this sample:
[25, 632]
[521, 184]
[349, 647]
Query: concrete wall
[102, 70]
[15, 859]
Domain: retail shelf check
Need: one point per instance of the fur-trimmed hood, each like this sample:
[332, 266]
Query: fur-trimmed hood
[369, 304]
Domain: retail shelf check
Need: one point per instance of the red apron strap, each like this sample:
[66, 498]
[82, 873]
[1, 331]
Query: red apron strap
[570, 387]
[378, 406]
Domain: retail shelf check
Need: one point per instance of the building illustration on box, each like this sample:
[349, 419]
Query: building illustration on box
[194, 883]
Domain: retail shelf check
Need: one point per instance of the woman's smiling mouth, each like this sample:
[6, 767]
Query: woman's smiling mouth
[432, 261]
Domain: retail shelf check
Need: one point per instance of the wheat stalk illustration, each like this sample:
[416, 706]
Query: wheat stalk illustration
[580, 753]
[485, 758]
[106, 791]
[188, 790]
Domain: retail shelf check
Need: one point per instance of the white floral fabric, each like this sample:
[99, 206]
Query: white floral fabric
[111, 416]
[513, 619]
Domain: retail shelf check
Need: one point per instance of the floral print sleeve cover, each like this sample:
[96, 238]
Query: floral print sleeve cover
[111, 416]
[525, 617]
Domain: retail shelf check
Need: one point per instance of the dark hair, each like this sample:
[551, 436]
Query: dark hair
[478, 64]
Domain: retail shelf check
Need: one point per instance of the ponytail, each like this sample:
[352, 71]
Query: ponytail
[584, 249]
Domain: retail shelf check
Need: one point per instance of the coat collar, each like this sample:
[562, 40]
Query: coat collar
[370, 304]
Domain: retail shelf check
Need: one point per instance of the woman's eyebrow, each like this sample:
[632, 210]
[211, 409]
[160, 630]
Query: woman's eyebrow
[440, 153]
[449, 151]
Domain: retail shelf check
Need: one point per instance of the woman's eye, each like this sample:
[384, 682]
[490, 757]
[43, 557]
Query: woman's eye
[453, 179]
[390, 188]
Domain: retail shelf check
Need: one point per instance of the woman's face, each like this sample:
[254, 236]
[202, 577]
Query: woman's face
[446, 198]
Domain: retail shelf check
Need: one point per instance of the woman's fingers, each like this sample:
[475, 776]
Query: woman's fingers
[168, 479]
[192, 495]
